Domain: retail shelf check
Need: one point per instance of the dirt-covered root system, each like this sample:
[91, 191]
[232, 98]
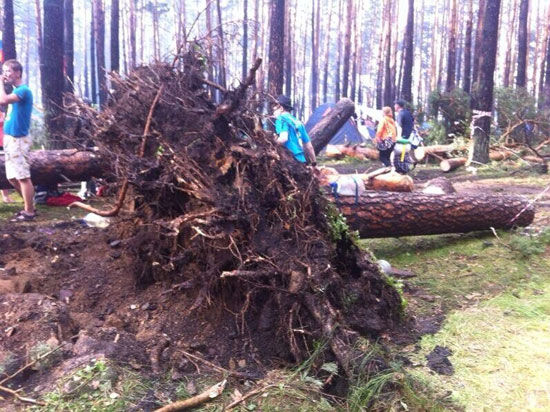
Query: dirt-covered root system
[235, 226]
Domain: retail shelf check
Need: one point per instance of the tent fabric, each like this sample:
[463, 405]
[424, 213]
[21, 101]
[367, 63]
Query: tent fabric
[348, 133]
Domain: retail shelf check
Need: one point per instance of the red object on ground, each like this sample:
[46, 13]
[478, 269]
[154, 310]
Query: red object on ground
[65, 199]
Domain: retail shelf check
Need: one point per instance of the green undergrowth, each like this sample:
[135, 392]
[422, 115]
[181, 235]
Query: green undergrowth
[495, 294]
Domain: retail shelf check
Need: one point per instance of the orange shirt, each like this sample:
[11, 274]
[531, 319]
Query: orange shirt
[386, 128]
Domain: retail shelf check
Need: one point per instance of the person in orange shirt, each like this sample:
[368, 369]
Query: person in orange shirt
[386, 135]
[5, 192]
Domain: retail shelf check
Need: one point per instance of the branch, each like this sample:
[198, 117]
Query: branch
[210, 393]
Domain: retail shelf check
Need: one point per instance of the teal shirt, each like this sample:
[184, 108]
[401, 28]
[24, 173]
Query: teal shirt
[297, 134]
[18, 117]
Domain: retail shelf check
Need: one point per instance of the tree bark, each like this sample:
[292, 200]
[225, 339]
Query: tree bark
[483, 100]
[99, 20]
[478, 41]
[406, 90]
[8, 32]
[451, 52]
[93, 60]
[69, 46]
[522, 44]
[322, 132]
[276, 52]
[244, 66]
[386, 214]
[115, 53]
[49, 167]
[54, 82]
[347, 49]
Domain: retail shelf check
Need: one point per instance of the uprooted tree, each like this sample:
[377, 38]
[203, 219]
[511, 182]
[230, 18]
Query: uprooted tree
[226, 215]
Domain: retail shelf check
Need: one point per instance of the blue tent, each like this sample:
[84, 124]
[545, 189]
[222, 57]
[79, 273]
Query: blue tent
[348, 133]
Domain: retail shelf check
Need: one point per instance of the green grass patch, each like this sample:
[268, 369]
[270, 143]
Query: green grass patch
[45, 212]
[500, 353]
[460, 270]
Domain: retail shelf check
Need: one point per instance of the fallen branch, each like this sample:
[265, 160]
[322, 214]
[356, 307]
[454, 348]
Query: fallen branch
[21, 398]
[217, 367]
[248, 395]
[29, 364]
[211, 393]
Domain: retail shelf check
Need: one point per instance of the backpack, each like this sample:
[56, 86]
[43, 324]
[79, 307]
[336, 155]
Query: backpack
[400, 157]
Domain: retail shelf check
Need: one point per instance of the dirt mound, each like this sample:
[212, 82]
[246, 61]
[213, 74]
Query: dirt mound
[230, 252]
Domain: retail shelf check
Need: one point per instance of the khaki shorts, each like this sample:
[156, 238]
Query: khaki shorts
[16, 151]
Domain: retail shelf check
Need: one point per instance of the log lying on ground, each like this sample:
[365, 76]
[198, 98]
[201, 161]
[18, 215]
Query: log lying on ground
[49, 167]
[331, 122]
[405, 214]
[340, 151]
[448, 165]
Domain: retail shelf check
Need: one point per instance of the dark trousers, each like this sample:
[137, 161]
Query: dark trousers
[385, 156]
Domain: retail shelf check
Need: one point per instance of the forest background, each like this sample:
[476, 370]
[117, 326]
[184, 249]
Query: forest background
[427, 52]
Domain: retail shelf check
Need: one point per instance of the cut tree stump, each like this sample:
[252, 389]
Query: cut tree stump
[49, 167]
[332, 121]
[385, 214]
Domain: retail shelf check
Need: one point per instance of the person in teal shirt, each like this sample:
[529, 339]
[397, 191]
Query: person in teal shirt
[291, 132]
[17, 142]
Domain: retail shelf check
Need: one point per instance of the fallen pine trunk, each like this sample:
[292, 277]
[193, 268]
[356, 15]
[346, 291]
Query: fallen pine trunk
[448, 165]
[49, 167]
[332, 121]
[385, 214]
[340, 151]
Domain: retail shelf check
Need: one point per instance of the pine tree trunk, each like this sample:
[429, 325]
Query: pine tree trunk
[546, 87]
[276, 50]
[478, 41]
[100, 51]
[328, 126]
[54, 82]
[132, 33]
[326, 57]
[522, 44]
[115, 53]
[451, 52]
[8, 32]
[406, 90]
[314, 53]
[347, 49]
[468, 49]
[221, 53]
[93, 60]
[69, 45]
[244, 67]
[387, 100]
[483, 101]
[49, 167]
[385, 214]
[337, 79]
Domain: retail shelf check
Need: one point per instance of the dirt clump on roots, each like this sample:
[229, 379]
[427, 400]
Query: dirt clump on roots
[253, 254]
[230, 251]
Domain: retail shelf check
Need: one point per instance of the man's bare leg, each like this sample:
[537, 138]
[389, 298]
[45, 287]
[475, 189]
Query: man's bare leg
[16, 185]
[27, 192]
[6, 196]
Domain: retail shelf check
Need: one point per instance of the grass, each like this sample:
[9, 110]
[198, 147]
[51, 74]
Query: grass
[496, 294]
[45, 212]
[500, 353]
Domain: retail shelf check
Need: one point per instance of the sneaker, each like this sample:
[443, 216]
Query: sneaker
[23, 217]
